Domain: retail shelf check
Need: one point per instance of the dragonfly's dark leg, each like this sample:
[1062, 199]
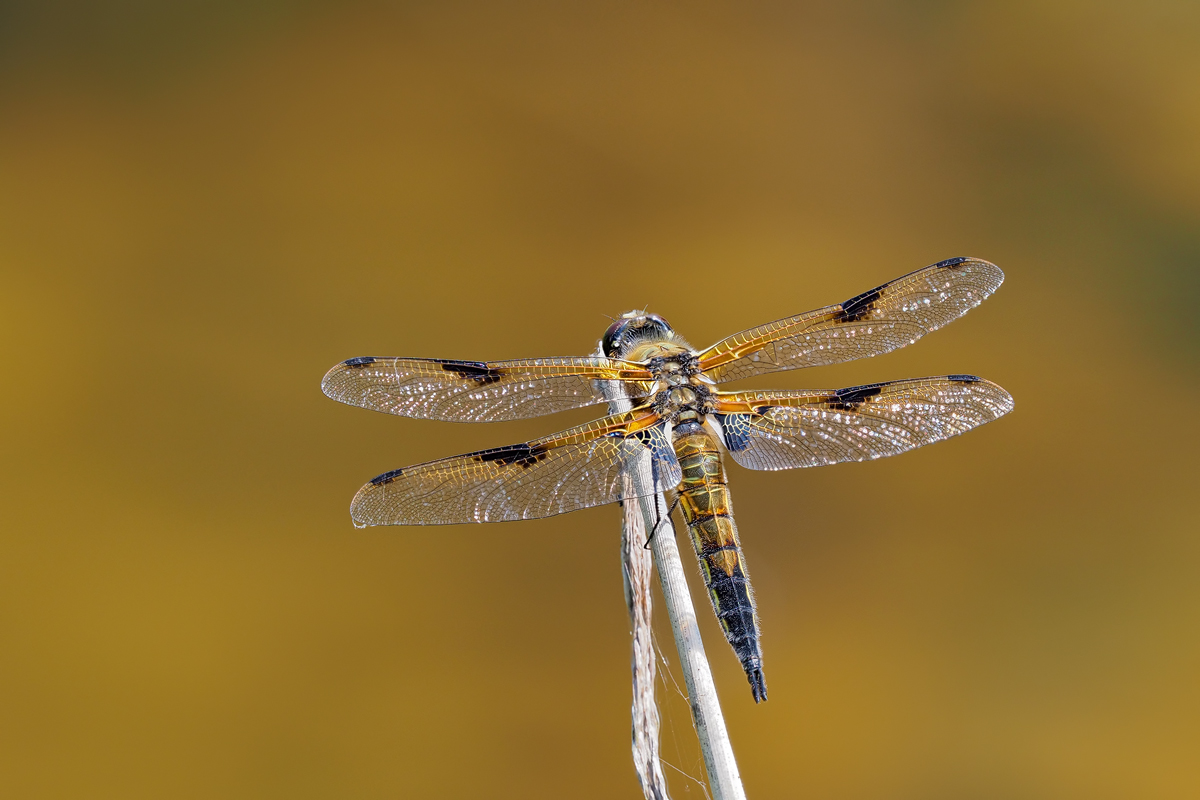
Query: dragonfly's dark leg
[658, 521]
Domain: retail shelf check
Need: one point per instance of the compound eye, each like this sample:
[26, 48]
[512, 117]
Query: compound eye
[656, 321]
[612, 337]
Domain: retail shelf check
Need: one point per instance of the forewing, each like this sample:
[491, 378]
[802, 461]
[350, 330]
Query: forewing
[578, 468]
[783, 430]
[477, 391]
[888, 317]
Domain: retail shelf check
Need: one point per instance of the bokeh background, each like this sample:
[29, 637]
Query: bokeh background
[204, 205]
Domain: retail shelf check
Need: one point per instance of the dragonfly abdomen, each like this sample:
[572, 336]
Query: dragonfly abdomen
[704, 498]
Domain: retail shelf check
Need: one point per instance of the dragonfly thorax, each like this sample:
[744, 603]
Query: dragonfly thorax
[681, 388]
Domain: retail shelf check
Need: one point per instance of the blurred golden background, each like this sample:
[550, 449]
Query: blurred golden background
[203, 206]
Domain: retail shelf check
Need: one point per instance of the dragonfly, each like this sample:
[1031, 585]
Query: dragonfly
[680, 422]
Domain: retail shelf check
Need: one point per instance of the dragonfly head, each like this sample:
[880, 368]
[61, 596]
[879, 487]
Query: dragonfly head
[633, 327]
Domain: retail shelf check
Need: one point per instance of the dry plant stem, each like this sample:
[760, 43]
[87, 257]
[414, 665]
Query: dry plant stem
[637, 566]
[638, 569]
[724, 781]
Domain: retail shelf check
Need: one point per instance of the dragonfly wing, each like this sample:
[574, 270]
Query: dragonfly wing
[885, 318]
[478, 391]
[578, 468]
[783, 430]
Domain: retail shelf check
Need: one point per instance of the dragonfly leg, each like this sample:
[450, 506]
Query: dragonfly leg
[658, 521]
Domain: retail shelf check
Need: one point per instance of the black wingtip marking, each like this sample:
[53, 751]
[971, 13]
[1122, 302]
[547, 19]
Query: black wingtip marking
[361, 361]
[952, 263]
[859, 306]
[854, 396]
[521, 454]
[475, 370]
[964, 378]
[386, 478]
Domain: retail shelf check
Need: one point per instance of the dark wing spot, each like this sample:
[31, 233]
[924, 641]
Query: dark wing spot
[362, 361]
[386, 477]
[951, 263]
[475, 370]
[859, 306]
[736, 437]
[521, 454]
[854, 396]
[964, 378]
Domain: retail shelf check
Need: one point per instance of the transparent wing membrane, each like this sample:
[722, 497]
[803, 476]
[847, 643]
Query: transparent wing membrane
[783, 430]
[578, 468]
[886, 318]
[476, 391]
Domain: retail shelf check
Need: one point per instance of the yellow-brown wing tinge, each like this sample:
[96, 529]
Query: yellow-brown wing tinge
[885, 318]
[477, 391]
[783, 430]
[578, 468]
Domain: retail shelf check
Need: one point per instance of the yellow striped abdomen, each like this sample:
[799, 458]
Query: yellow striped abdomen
[704, 497]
